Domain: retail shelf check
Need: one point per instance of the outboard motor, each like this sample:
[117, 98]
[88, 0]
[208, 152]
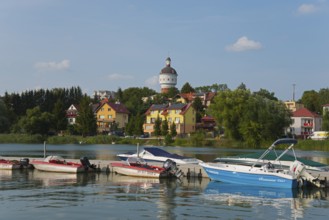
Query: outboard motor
[24, 162]
[85, 162]
[172, 168]
[298, 168]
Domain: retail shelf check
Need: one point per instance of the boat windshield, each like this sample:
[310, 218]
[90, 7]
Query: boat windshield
[132, 160]
[51, 158]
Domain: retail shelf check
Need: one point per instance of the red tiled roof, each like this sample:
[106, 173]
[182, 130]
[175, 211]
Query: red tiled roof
[207, 118]
[192, 95]
[304, 112]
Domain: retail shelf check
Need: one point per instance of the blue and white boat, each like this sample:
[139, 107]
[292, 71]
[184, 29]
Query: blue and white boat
[266, 175]
[158, 155]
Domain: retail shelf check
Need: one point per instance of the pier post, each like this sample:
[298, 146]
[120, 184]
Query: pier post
[44, 149]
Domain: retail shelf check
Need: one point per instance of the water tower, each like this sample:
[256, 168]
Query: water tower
[168, 77]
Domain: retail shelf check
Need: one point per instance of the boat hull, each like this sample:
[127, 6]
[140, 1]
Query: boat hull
[49, 167]
[127, 170]
[229, 174]
[9, 166]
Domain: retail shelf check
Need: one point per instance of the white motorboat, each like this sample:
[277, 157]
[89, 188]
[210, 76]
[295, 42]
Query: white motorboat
[155, 154]
[266, 175]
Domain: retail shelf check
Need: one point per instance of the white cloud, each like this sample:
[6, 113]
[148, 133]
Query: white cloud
[45, 66]
[307, 9]
[243, 44]
[152, 81]
[117, 76]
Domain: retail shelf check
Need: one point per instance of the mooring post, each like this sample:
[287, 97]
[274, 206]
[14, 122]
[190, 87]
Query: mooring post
[200, 174]
[137, 149]
[44, 149]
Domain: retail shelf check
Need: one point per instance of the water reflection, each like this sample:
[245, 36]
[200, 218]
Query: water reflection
[285, 203]
[32, 194]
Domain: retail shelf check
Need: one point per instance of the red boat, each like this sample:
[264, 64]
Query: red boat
[14, 164]
[59, 164]
[136, 166]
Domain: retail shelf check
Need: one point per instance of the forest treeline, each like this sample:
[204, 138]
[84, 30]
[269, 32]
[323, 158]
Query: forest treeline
[243, 115]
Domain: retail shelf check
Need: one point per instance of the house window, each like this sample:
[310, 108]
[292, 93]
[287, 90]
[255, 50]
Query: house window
[170, 119]
[102, 109]
[149, 127]
[110, 116]
[152, 120]
[177, 120]
[109, 109]
[177, 111]
[101, 116]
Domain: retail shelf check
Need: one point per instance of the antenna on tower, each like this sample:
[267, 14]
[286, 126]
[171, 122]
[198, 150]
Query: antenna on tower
[293, 92]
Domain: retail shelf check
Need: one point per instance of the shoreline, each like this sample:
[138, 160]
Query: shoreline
[308, 144]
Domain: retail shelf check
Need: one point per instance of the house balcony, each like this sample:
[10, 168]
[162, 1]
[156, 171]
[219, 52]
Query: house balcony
[308, 125]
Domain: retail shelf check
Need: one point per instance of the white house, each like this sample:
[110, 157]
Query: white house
[305, 122]
[71, 114]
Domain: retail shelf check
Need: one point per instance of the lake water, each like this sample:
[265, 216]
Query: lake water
[34, 195]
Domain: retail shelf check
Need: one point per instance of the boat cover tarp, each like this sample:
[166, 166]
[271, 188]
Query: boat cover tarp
[162, 153]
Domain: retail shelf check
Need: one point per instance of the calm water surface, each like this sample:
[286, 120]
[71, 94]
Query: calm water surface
[34, 195]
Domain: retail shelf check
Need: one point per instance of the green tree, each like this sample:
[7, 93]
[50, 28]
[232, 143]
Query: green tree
[323, 97]
[157, 127]
[168, 139]
[213, 88]
[4, 118]
[228, 110]
[173, 131]
[266, 94]
[310, 100]
[250, 117]
[242, 86]
[130, 126]
[86, 121]
[173, 91]
[59, 113]
[132, 99]
[164, 127]
[325, 121]
[138, 125]
[187, 88]
[35, 122]
[119, 95]
[199, 108]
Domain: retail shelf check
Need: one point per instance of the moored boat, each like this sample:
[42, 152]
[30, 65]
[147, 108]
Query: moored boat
[155, 154]
[59, 164]
[14, 164]
[266, 175]
[285, 161]
[136, 166]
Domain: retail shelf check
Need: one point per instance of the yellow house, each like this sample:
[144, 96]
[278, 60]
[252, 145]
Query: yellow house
[183, 115]
[107, 113]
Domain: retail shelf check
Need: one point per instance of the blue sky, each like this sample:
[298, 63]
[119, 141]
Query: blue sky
[105, 44]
